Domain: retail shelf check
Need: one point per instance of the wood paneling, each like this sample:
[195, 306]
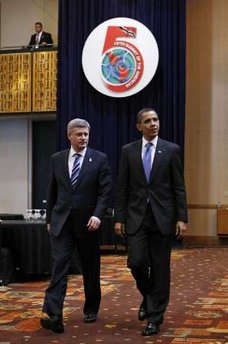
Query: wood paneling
[222, 221]
[15, 82]
[44, 81]
[28, 82]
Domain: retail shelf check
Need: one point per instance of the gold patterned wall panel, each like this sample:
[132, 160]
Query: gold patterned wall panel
[15, 82]
[44, 86]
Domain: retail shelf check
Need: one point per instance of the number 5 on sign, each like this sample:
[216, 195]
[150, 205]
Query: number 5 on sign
[122, 63]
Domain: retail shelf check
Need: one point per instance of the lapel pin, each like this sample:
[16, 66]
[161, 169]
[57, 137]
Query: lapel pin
[159, 152]
[90, 159]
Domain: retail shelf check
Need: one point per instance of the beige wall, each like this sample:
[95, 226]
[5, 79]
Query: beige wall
[18, 18]
[14, 162]
[206, 147]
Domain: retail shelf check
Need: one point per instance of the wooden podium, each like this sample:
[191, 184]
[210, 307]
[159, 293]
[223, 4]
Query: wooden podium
[222, 221]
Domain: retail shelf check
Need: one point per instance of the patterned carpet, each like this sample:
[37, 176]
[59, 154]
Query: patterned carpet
[197, 313]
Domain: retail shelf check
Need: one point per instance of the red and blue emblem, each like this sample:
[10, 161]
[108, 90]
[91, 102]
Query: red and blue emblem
[122, 63]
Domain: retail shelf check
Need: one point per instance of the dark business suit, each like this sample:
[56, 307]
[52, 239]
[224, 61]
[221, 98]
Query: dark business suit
[68, 211]
[45, 37]
[150, 211]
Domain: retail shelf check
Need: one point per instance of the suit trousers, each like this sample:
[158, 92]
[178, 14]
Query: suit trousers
[89, 252]
[149, 253]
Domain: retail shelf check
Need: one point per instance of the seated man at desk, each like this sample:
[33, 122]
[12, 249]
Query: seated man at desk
[40, 38]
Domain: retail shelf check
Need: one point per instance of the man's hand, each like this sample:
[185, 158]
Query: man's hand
[181, 228]
[93, 223]
[119, 228]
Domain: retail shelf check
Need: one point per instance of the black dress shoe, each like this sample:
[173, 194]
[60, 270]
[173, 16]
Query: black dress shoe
[90, 317]
[151, 329]
[53, 322]
[142, 314]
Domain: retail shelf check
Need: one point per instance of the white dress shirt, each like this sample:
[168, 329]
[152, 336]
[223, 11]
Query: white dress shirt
[71, 158]
[38, 37]
[153, 147]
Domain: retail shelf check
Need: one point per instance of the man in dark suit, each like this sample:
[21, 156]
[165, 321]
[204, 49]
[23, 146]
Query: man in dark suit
[78, 193]
[150, 207]
[40, 38]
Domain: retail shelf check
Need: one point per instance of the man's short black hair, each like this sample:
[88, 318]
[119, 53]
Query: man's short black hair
[39, 23]
[141, 112]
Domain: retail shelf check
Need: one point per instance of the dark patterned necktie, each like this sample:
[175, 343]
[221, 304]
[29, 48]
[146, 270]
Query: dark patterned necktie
[37, 38]
[75, 170]
[147, 160]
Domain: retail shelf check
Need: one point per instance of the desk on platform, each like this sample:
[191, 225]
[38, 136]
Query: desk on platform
[29, 243]
[5, 216]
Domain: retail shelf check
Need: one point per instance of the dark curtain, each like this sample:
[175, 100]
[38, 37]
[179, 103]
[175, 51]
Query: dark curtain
[42, 132]
[112, 119]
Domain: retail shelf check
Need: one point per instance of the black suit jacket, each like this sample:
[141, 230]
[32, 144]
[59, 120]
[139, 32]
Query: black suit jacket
[90, 195]
[45, 37]
[165, 190]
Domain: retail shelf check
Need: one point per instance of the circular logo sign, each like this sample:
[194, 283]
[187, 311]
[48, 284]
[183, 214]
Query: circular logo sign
[120, 57]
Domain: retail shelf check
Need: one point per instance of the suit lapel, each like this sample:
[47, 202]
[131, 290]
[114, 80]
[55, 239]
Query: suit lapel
[158, 156]
[66, 168]
[138, 164]
[84, 168]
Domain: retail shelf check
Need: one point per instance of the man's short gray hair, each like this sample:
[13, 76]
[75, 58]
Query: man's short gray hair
[77, 123]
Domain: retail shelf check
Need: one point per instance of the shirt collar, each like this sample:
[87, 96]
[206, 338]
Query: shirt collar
[154, 141]
[73, 152]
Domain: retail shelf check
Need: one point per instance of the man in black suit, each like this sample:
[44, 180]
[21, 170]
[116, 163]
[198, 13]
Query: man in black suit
[40, 38]
[78, 194]
[150, 207]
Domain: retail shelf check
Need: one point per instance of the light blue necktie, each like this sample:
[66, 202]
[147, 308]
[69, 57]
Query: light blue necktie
[76, 169]
[147, 160]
